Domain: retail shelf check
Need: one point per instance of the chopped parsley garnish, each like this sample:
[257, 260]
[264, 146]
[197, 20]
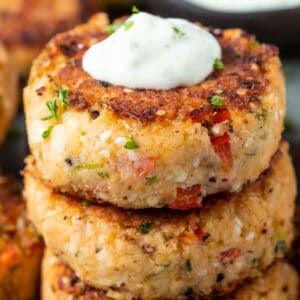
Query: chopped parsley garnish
[280, 246]
[62, 96]
[131, 144]
[256, 262]
[167, 236]
[103, 174]
[52, 106]
[76, 254]
[218, 64]
[135, 10]
[89, 167]
[261, 116]
[178, 31]
[188, 265]
[47, 132]
[217, 101]
[111, 28]
[128, 25]
[219, 91]
[150, 180]
[251, 152]
[145, 227]
[86, 202]
[163, 268]
[70, 62]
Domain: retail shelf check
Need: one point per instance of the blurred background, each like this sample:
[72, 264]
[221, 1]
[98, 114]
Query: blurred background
[31, 23]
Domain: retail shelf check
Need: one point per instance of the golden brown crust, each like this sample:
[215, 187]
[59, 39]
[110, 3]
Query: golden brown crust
[279, 281]
[133, 218]
[244, 79]
[253, 228]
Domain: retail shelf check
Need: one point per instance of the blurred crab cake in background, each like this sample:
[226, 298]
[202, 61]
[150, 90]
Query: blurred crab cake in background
[26, 25]
[20, 246]
[8, 91]
[59, 282]
[159, 146]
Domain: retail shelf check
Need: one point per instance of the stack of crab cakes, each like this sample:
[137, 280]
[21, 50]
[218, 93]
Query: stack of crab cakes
[150, 194]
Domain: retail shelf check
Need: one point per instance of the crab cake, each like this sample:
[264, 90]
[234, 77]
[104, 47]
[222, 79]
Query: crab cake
[20, 246]
[162, 253]
[152, 148]
[8, 92]
[280, 282]
[59, 282]
[26, 25]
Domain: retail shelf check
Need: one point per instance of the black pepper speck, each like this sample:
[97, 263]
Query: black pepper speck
[220, 277]
[69, 162]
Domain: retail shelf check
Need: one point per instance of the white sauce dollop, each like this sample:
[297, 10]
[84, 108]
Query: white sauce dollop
[150, 52]
[239, 6]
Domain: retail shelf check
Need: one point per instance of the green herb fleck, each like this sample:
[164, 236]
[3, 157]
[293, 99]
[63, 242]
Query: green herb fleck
[131, 144]
[264, 135]
[254, 45]
[178, 31]
[150, 180]
[261, 116]
[103, 174]
[251, 152]
[86, 202]
[256, 262]
[113, 28]
[188, 265]
[88, 167]
[167, 236]
[52, 106]
[47, 132]
[135, 10]
[280, 246]
[62, 96]
[163, 268]
[128, 25]
[217, 101]
[70, 62]
[145, 227]
[76, 298]
[77, 254]
[218, 64]
[219, 91]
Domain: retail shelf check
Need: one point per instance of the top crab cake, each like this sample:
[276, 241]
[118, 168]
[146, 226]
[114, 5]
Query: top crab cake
[26, 25]
[139, 148]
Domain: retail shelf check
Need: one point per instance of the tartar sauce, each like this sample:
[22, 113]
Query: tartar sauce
[149, 52]
[239, 6]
